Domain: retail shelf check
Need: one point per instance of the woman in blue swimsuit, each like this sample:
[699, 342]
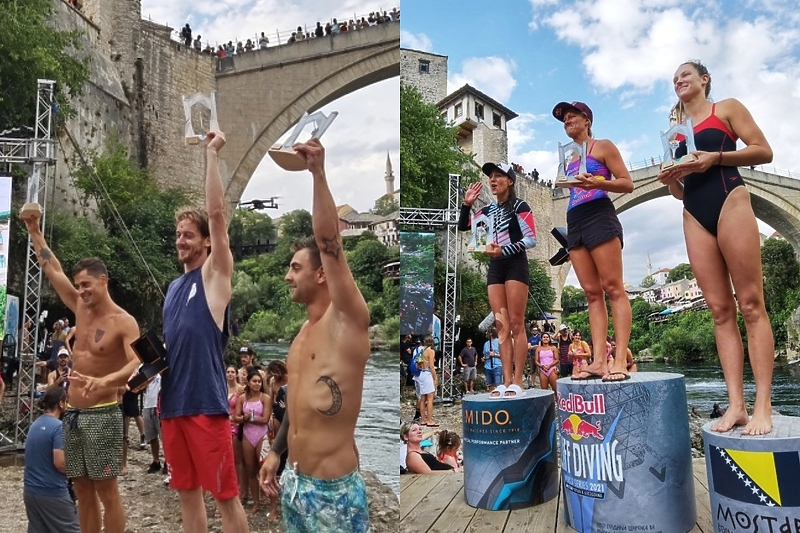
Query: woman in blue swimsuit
[722, 237]
[594, 237]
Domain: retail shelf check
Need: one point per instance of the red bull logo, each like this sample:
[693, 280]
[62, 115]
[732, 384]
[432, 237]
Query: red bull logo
[575, 403]
[578, 428]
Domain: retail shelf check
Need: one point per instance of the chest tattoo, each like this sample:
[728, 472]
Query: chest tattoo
[98, 335]
[336, 393]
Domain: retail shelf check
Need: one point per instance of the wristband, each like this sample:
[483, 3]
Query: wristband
[720, 158]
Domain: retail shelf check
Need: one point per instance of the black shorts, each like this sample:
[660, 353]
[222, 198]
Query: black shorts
[130, 404]
[593, 223]
[511, 268]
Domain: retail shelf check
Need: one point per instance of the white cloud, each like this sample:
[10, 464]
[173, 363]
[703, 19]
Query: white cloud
[492, 75]
[415, 41]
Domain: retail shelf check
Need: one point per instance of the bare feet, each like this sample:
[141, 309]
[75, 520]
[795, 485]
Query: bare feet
[732, 417]
[760, 424]
[256, 508]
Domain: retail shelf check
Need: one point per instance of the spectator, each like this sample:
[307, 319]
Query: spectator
[65, 327]
[717, 411]
[580, 353]
[351, 26]
[198, 45]
[152, 423]
[427, 382]
[47, 501]
[234, 390]
[371, 19]
[448, 445]
[395, 14]
[292, 39]
[419, 461]
[564, 341]
[299, 35]
[343, 27]
[209, 50]
[229, 48]
[263, 42]
[362, 23]
[254, 410]
[130, 409]
[535, 175]
[186, 35]
[319, 31]
[533, 342]
[221, 52]
[545, 359]
[239, 48]
[492, 364]
[335, 27]
[467, 359]
[248, 46]
[406, 353]
[59, 376]
[328, 29]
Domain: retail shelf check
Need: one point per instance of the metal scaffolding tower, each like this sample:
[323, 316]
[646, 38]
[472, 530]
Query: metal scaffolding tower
[40, 152]
[434, 219]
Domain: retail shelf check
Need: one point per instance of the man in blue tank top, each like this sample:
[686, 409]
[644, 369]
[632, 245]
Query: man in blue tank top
[194, 405]
[321, 488]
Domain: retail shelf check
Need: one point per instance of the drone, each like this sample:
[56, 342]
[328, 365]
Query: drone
[258, 205]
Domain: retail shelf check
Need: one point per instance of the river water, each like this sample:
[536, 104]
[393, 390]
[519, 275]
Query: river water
[705, 385]
[377, 429]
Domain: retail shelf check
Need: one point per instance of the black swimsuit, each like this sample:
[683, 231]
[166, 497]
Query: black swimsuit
[705, 193]
[432, 462]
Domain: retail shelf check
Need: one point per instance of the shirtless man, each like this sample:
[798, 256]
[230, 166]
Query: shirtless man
[102, 361]
[322, 488]
[195, 428]
[60, 375]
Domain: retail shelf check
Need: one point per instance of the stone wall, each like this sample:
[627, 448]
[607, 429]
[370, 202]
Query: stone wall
[433, 85]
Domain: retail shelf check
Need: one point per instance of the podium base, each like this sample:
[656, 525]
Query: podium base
[287, 159]
[754, 479]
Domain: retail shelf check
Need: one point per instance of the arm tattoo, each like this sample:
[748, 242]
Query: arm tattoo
[336, 393]
[46, 255]
[98, 335]
[332, 246]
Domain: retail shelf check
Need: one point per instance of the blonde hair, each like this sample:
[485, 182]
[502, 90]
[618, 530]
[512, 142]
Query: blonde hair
[679, 109]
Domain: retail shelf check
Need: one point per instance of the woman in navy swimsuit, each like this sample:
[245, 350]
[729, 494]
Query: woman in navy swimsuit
[722, 237]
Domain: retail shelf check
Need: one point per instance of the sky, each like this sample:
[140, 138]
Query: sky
[619, 56]
[368, 125]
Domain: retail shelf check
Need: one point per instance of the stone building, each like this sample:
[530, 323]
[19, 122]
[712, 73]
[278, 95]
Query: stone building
[426, 72]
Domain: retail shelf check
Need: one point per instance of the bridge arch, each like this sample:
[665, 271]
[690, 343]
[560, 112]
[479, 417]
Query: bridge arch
[319, 71]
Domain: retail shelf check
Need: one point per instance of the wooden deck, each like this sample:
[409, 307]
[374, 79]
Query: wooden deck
[435, 503]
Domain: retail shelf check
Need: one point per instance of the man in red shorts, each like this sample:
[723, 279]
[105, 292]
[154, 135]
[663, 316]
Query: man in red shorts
[194, 406]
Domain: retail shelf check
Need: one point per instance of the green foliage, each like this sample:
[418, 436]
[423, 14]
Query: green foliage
[250, 228]
[648, 282]
[31, 49]
[366, 261]
[682, 271]
[781, 285]
[573, 299]
[689, 337]
[385, 205]
[428, 153]
[541, 295]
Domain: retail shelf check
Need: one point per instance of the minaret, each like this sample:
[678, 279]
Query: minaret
[389, 177]
[649, 265]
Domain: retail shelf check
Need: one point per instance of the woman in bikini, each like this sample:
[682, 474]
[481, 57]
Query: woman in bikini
[580, 353]
[513, 231]
[546, 360]
[594, 236]
[253, 409]
[722, 237]
[234, 390]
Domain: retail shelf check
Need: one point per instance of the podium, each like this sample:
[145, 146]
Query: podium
[754, 481]
[509, 450]
[626, 460]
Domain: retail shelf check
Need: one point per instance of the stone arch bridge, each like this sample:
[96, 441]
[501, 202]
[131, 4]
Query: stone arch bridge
[261, 95]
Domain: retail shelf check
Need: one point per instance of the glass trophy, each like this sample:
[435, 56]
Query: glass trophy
[670, 144]
[207, 101]
[31, 207]
[568, 153]
[285, 156]
[481, 237]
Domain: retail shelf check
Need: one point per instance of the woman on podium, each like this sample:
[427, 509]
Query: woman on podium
[722, 237]
[594, 236]
[512, 232]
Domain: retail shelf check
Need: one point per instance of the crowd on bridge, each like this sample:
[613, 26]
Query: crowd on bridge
[301, 33]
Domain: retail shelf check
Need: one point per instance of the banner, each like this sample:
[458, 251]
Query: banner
[417, 253]
[5, 217]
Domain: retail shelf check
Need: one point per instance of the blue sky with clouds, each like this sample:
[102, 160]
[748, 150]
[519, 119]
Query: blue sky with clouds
[368, 124]
[619, 57]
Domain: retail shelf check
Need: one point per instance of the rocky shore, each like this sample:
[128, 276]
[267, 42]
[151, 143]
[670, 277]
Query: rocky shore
[152, 507]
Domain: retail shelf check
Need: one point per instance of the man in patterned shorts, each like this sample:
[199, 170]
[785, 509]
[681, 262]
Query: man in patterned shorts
[103, 360]
[321, 489]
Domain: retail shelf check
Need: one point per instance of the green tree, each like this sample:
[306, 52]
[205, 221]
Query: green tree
[648, 281]
[428, 153]
[30, 49]
[385, 205]
[541, 295]
[296, 225]
[248, 228]
[781, 285]
[366, 261]
[573, 299]
[682, 271]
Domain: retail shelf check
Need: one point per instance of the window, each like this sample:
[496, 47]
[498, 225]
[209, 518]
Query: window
[497, 121]
[478, 111]
[459, 109]
[424, 66]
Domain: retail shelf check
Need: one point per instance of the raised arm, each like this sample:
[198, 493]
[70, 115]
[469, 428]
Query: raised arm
[345, 296]
[218, 269]
[49, 263]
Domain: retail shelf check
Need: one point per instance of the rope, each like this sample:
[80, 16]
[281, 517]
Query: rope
[107, 197]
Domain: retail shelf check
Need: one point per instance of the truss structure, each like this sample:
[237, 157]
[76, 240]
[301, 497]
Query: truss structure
[436, 219]
[38, 151]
